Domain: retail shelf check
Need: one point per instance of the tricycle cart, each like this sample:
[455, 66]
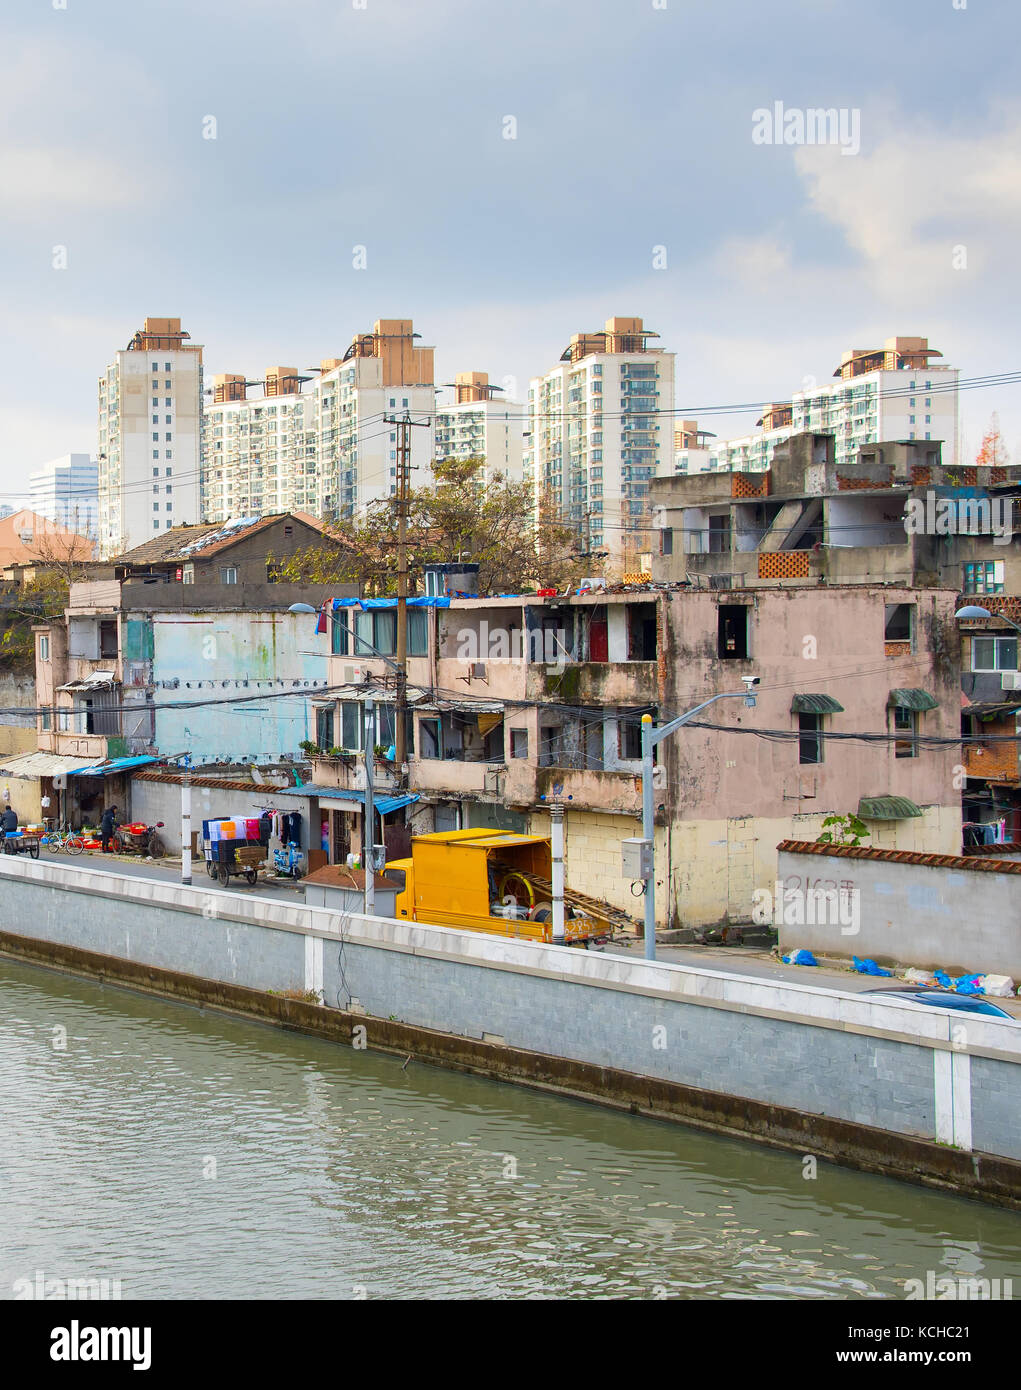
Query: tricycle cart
[23, 842]
[245, 863]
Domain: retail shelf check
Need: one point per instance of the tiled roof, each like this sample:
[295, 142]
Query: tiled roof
[223, 784]
[902, 856]
[188, 542]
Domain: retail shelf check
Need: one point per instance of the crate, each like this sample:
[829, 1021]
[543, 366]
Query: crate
[251, 856]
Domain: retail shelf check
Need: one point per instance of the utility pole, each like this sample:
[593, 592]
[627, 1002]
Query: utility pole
[404, 427]
[368, 827]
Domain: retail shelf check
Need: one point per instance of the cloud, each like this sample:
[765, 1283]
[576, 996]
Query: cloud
[905, 205]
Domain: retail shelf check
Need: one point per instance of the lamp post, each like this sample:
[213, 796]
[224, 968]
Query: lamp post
[651, 738]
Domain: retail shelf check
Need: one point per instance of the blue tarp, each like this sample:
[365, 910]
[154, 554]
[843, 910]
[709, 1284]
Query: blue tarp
[365, 604]
[108, 768]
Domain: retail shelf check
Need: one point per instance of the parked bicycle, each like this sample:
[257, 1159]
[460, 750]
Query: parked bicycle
[66, 839]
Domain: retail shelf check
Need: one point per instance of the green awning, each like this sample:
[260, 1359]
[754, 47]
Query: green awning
[913, 699]
[887, 808]
[816, 704]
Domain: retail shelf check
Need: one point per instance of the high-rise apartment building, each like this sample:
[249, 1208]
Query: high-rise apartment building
[259, 452]
[895, 392]
[383, 373]
[150, 436]
[66, 490]
[480, 423]
[601, 428]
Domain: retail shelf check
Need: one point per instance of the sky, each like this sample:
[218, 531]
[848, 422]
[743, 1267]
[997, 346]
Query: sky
[632, 186]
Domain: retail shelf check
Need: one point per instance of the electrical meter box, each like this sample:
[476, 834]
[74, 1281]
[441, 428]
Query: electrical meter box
[636, 858]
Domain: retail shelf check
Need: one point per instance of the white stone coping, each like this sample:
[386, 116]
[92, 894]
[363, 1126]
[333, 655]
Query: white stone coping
[786, 1000]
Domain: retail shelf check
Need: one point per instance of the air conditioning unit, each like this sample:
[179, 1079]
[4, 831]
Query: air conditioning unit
[1010, 680]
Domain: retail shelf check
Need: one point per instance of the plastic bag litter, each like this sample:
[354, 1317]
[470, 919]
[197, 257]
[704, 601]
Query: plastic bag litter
[799, 957]
[963, 984]
[869, 967]
[1001, 985]
[919, 977]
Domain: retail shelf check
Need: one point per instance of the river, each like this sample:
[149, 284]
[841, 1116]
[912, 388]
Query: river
[189, 1155]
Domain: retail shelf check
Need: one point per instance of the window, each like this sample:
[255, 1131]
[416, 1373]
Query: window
[155, 419]
[228, 574]
[994, 653]
[339, 634]
[166, 366]
[810, 738]
[155, 438]
[629, 737]
[156, 507]
[519, 743]
[47, 720]
[905, 721]
[167, 437]
[551, 745]
[324, 729]
[900, 623]
[169, 487]
[188, 574]
[44, 649]
[732, 632]
[168, 420]
[169, 473]
[170, 506]
[351, 724]
[155, 454]
[429, 738]
[666, 541]
[984, 577]
[418, 632]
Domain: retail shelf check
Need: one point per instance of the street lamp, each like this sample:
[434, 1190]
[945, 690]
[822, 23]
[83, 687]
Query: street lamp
[650, 739]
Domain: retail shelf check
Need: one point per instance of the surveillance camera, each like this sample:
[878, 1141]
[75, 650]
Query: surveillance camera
[750, 681]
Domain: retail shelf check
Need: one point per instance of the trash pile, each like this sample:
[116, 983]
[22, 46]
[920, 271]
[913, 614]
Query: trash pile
[1002, 986]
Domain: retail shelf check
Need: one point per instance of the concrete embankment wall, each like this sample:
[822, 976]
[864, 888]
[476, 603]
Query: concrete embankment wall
[870, 1083]
[922, 910]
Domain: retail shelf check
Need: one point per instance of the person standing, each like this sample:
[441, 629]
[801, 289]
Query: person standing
[106, 828]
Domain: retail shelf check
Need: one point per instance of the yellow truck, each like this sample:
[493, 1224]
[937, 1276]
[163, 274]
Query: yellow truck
[492, 881]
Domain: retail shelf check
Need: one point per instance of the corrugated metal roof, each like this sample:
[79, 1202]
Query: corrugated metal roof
[913, 698]
[41, 765]
[816, 704]
[355, 797]
[887, 808]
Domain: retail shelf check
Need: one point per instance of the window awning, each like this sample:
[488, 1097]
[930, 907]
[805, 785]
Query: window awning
[99, 680]
[112, 766]
[911, 698]
[887, 808]
[816, 704]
